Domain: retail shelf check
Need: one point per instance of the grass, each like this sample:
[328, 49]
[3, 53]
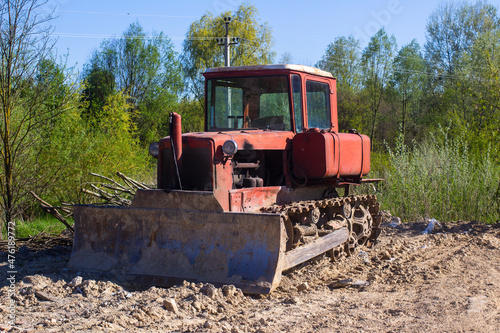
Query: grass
[439, 178]
[45, 223]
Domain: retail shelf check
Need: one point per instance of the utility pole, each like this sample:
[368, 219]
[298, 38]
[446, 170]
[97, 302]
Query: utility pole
[227, 42]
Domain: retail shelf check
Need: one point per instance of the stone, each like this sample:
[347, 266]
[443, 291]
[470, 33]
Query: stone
[209, 290]
[303, 286]
[44, 296]
[6, 328]
[198, 305]
[385, 255]
[395, 222]
[341, 283]
[292, 300]
[360, 284]
[170, 305]
[75, 282]
[228, 290]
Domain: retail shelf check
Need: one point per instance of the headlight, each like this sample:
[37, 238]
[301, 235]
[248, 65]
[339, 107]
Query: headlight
[230, 147]
[154, 149]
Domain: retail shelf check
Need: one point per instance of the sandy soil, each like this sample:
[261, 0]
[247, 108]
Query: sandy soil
[448, 281]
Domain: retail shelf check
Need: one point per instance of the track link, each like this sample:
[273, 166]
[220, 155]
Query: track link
[307, 220]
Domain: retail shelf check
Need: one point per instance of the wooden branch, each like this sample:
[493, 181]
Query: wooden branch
[52, 210]
[137, 184]
[122, 189]
[107, 197]
[110, 180]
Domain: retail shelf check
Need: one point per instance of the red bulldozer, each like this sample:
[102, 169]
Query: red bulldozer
[264, 188]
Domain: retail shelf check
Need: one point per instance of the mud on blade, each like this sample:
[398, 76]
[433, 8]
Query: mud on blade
[160, 246]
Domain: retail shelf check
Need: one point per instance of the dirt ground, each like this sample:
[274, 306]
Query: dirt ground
[448, 281]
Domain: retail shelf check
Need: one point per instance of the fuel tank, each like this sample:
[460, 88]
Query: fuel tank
[321, 154]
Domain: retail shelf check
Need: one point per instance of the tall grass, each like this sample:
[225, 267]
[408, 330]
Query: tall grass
[440, 178]
[43, 224]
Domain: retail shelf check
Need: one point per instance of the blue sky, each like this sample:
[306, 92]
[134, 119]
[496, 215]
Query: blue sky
[302, 28]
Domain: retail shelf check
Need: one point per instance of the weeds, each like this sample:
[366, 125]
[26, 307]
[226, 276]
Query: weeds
[43, 224]
[440, 178]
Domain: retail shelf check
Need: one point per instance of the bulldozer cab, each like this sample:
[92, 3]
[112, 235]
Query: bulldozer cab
[281, 98]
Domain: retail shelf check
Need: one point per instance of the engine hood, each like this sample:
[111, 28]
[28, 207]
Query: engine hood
[246, 139]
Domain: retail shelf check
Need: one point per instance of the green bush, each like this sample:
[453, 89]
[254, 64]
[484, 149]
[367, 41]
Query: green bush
[439, 178]
[75, 149]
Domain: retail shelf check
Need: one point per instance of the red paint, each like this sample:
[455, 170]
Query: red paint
[319, 154]
[177, 137]
[309, 161]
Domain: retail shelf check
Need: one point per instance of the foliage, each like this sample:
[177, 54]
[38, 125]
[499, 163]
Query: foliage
[376, 63]
[481, 67]
[146, 69]
[408, 82]
[342, 58]
[452, 32]
[79, 149]
[201, 51]
[29, 95]
[45, 224]
[54, 131]
[193, 116]
[452, 29]
[100, 83]
[437, 179]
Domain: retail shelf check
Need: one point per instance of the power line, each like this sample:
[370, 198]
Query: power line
[118, 14]
[102, 36]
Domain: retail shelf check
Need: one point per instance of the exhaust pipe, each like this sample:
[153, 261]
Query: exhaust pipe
[176, 143]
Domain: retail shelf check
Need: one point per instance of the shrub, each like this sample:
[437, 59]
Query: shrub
[440, 178]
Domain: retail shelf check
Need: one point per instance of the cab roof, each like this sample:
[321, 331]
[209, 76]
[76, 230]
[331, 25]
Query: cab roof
[299, 68]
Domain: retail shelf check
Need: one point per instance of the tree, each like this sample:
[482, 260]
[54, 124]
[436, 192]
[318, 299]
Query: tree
[408, 79]
[144, 68]
[27, 97]
[100, 83]
[482, 69]
[73, 149]
[286, 58]
[201, 51]
[452, 29]
[342, 59]
[376, 63]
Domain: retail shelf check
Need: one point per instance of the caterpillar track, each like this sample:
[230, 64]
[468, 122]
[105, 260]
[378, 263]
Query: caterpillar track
[306, 221]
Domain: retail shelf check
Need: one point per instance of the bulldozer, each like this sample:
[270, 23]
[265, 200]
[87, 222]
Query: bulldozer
[263, 189]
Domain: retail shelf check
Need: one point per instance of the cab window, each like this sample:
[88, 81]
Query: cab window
[297, 102]
[260, 102]
[318, 105]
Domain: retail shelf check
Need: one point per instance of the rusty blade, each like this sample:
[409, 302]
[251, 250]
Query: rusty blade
[160, 246]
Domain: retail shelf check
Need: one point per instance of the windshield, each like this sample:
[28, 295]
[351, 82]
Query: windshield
[248, 103]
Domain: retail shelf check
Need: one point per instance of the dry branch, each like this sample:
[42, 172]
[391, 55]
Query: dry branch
[46, 207]
[135, 183]
[113, 192]
[109, 193]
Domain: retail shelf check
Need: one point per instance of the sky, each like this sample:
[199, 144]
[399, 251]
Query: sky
[301, 28]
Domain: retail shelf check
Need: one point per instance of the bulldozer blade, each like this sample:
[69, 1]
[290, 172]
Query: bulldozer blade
[159, 246]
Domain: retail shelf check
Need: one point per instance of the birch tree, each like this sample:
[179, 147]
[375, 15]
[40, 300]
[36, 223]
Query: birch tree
[26, 96]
